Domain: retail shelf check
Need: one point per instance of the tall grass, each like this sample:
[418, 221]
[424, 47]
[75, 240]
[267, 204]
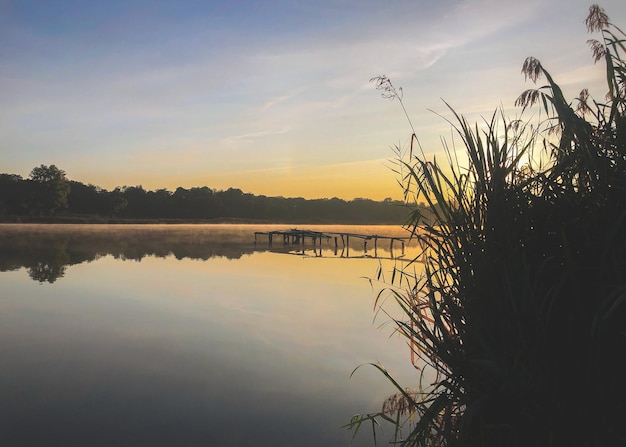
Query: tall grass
[521, 309]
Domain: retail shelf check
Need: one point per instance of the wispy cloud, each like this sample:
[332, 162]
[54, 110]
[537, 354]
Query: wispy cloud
[272, 102]
[256, 135]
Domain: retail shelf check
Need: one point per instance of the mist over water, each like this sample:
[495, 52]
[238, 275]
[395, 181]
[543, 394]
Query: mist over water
[187, 335]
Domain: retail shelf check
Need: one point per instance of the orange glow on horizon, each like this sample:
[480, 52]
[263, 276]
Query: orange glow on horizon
[369, 179]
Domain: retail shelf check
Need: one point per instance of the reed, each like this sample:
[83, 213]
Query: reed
[521, 307]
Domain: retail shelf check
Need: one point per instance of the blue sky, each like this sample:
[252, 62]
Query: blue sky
[271, 97]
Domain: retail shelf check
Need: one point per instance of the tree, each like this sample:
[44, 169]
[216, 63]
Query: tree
[50, 189]
[86, 199]
[117, 202]
[11, 194]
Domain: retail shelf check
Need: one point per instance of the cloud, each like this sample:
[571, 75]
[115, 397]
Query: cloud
[272, 102]
[291, 94]
[260, 134]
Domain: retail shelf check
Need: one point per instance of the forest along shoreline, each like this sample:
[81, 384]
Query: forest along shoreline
[47, 196]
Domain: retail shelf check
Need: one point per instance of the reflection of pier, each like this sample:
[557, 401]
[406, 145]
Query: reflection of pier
[295, 238]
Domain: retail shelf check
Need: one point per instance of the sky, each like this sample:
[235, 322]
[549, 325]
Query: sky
[272, 97]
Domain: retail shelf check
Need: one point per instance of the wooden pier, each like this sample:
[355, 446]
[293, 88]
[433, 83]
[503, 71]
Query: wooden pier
[295, 237]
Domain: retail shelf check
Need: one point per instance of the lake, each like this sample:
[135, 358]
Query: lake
[160, 335]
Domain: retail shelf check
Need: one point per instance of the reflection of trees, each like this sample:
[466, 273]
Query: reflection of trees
[44, 272]
[50, 261]
[47, 251]
[45, 262]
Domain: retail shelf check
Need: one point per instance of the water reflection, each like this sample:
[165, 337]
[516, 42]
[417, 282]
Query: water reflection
[253, 349]
[47, 250]
[320, 242]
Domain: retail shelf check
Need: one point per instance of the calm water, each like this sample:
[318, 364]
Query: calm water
[188, 335]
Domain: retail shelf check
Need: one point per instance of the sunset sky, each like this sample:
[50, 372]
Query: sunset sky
[272, 97]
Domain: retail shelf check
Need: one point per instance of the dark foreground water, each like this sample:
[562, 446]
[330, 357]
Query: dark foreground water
[187, 336]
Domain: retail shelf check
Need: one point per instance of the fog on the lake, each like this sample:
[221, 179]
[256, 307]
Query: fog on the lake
[191, 335]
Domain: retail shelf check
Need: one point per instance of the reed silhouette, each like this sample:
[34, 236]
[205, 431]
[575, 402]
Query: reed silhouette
[521, 308]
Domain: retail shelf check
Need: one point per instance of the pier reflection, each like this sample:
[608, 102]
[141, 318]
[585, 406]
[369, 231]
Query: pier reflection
[334, 243]
[46, 251]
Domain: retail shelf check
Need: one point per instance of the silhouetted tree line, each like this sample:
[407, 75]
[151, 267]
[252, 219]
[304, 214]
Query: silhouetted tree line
[47, 192]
